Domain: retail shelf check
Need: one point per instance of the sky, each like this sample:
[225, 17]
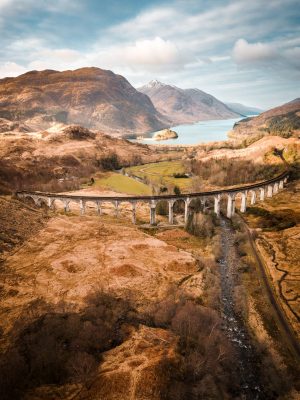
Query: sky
[245, 51]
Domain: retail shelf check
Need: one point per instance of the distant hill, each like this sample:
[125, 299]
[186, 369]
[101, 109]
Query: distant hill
[185, 105]
[92, 97]
[243, 110]
[281, 121]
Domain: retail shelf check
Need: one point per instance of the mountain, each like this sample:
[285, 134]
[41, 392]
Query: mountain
[92, 97]
[282, 121]
[185, 105]
[243, 110]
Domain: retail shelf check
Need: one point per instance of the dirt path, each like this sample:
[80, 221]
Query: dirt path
[233, 325]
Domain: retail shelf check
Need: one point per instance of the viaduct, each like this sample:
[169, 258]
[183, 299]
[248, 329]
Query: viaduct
[251, 192]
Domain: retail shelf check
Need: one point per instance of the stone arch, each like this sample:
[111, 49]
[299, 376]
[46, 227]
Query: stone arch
[88, 205]
[29, 199]
[58, 203]
[108, 207]
[252, 196]
[240, 200]
[196, 204]
[162, 207]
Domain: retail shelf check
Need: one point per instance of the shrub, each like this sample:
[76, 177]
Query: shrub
[109, 162]
[201, 225]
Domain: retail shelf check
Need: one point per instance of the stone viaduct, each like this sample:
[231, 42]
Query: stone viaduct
[251, 192]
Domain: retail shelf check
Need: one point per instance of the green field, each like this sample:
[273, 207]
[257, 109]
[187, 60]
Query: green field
[120, 183]
[161, 174]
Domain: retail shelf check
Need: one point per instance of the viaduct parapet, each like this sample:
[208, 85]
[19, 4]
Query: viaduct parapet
[247, 193]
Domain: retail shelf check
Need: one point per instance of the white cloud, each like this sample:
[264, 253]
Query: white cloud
[150, 53]
[244, 52]
[11, 69]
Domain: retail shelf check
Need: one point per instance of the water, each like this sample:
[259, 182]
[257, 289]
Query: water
[200, 132]
[247, 359]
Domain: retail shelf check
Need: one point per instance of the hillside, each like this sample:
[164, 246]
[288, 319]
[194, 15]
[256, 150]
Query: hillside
[280, 121]
[185, 105]
[61, 156]
[91, 97]
[244, 110]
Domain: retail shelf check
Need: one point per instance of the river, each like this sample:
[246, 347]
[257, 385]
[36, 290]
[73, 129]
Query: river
[233, 325]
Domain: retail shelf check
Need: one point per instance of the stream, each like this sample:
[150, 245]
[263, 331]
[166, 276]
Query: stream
[233, 325]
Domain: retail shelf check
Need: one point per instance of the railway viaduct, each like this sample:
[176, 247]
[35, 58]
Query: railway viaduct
[252, 193]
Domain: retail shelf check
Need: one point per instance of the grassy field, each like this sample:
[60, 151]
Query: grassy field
[122, 184]
[162, 174]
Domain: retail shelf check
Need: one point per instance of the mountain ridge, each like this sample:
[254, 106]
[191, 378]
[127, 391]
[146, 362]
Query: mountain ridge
[185, 105]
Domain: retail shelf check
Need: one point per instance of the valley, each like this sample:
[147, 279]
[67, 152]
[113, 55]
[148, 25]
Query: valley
[145, 272]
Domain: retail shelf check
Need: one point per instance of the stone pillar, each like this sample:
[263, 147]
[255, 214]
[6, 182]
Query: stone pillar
[152, 212]
[230, 205]
[66, 205]
[253, 197]
[203, 203]
[244, 202]
[233, 206]
[50, 202]
[171, 215]
[217, 204]
[285, 179]
[82, 207]
[281, 185]
[99, 209]
[275, 188]
[133, 213]
[117, 208]
[186, 209]
[270, 191]
[262, 194]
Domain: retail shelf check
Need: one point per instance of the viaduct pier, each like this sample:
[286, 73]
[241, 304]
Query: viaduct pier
[248, 194]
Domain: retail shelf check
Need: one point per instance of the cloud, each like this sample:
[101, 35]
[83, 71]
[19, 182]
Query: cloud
[271, 55]
[11, 69]
[151, 54]
[244, 52]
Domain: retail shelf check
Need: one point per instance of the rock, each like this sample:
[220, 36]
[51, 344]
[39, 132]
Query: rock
[165, 134]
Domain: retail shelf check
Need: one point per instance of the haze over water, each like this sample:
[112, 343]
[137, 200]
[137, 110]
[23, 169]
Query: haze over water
[200, 132]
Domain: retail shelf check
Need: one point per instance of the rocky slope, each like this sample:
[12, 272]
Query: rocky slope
[92, 97]
[280, 121]
[185, 105]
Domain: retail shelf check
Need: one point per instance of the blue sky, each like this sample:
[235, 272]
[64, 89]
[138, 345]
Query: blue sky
[244, 51]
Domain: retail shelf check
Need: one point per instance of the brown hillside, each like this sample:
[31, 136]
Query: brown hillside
[92, 97]
[282, 121]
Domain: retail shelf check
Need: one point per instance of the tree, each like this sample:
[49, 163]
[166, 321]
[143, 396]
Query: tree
[177, 190]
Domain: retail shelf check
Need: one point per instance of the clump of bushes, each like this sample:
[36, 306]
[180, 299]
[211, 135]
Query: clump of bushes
[201, 225]
[109, 162]
[180, 175]
[227, 172]
[76, 132]
[203, 362]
